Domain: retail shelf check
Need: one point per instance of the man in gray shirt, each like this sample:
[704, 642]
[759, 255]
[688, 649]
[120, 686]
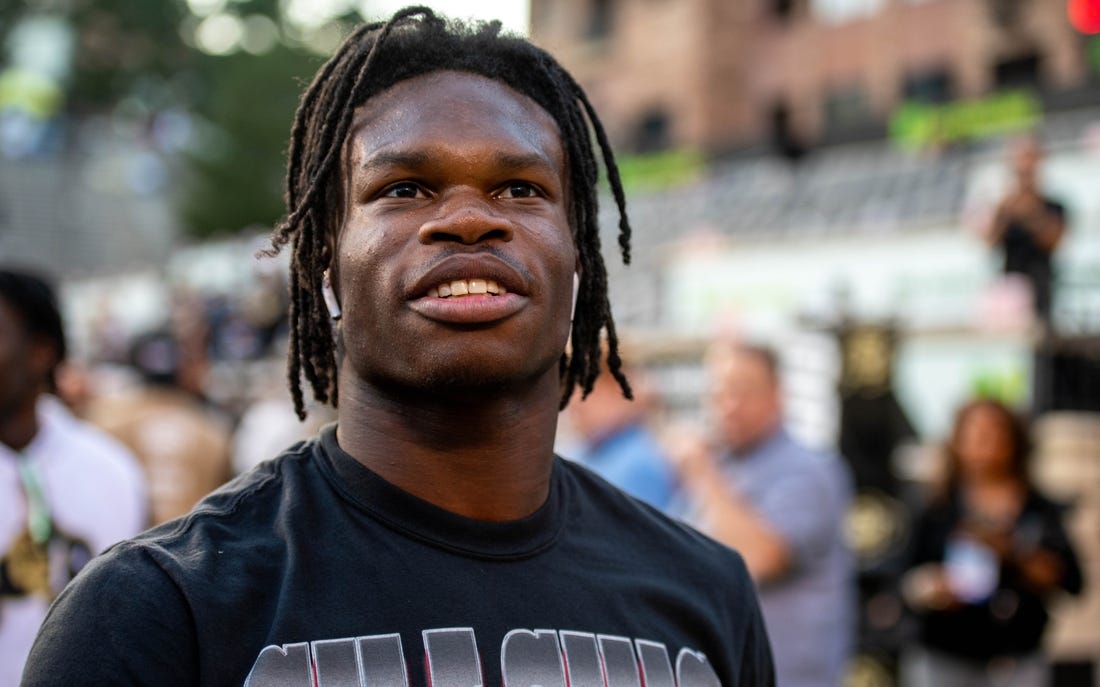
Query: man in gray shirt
[781, 505]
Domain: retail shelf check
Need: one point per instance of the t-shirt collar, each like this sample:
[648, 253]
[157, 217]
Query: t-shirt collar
[431, 524]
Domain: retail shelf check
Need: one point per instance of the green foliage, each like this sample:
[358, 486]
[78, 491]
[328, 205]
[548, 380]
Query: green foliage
[1009, 386]
[134, 58]
[660, 170]
[124, 47]
[918, 125]
[234, 172]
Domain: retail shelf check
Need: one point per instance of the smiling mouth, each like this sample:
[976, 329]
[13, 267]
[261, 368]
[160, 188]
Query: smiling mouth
[459, 288]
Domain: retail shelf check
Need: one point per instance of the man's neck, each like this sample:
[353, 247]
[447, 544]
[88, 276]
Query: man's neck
[19, 427]
[485, 456]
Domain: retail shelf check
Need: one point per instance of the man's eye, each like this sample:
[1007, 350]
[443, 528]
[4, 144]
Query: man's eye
[519, 189]
[403, 190]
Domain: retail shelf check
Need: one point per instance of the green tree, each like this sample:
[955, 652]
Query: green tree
[234, 172]
[139, 58]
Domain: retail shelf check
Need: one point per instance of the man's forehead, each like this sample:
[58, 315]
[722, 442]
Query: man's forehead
[741, 364]
[447, 100]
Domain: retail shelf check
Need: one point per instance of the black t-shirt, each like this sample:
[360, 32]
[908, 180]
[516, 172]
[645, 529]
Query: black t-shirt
[312, 570]
[1022, 253]
[1011, 621]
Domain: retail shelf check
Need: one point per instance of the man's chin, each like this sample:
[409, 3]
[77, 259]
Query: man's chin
[483, 382]
[464, 382]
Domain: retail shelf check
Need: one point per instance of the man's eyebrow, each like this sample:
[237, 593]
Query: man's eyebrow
[397, 158]
[518, 161]
[414, 159]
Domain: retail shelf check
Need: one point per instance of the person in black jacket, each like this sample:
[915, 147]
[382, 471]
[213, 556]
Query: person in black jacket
[987, 554]
[441, 193]
[1028, 226]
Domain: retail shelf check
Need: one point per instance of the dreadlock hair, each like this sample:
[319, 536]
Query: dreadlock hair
[374, 57]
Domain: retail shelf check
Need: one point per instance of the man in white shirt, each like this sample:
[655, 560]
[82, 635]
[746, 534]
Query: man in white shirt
[67, 491]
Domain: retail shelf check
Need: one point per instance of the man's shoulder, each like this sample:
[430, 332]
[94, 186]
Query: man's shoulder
[241, 517]
[791, 451]
[792, 467]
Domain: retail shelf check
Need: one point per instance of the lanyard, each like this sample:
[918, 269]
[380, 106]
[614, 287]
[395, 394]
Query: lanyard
[39, 523]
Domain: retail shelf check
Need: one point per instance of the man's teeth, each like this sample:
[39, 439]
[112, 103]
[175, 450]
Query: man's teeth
[466, 287]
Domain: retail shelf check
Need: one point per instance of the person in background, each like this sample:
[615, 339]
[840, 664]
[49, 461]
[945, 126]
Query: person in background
[782, 506]
[67, 491]
[183, 445]
[987, 553]
[617, 444]
[1028, 226]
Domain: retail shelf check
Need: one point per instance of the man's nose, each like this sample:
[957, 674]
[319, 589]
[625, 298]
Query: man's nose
[467, 217]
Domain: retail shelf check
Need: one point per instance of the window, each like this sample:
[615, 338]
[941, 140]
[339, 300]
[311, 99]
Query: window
[846, 109]
[1019, 72]
[784, 138]
[783, 10]
[600, 18]
[653, 132]
[933, 87]
[1005, 13]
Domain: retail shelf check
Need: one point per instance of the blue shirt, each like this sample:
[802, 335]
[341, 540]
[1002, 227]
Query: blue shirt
[810, 610]
[632, 460]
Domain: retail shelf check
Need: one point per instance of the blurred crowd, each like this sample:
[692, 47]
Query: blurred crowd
[146, 423]
[965, 593]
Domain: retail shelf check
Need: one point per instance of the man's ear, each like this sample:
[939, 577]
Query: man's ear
[42, 358]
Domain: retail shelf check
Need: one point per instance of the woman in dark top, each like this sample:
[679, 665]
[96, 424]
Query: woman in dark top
[987, 553]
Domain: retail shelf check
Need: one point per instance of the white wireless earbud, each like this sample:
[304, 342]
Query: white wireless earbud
[576, 293]
[329, 295]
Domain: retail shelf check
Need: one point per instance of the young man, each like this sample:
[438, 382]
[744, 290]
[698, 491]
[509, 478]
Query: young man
[67, 491]
[441, 188]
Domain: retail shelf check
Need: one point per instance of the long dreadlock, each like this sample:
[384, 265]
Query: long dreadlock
[376, 56]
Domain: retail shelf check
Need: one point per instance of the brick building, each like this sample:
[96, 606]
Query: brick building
[720, 75]
[759, 247]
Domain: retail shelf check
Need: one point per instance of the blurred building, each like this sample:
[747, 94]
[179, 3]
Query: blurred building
[720, 76]
[799, 170]
[844, 153]
[90, 212]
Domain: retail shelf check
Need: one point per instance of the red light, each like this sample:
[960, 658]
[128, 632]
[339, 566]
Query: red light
[1084, 15]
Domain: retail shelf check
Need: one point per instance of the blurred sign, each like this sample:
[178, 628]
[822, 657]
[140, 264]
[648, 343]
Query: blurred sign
[919, 125]
[660, 170]
[931, 278]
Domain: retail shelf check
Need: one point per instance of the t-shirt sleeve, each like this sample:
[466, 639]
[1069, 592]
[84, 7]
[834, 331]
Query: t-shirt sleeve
[122, 621]
[806, 509]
